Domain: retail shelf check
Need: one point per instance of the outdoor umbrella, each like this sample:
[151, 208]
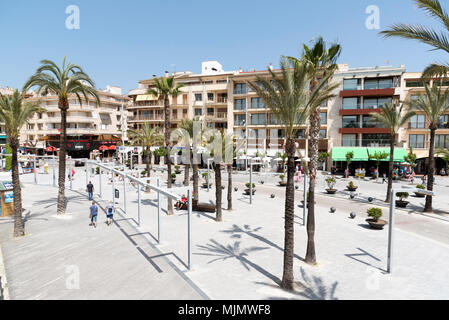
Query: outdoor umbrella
[112, 148]
[103, 148]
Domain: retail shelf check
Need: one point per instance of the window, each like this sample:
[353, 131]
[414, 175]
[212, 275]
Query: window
[370, 122]
[443, 122]
[350, 122]
[257, 103]
[349, 140]
[350, 103]
[375, 140]
[418, 122]
[324, 104]
[259, 119]
[240, 88]
[351, 84]
[273, 119]
[417, 141]
[376, 103]
[415, 84]
[323, 118]
[300, 134]
[240, 104]
[198, 97]
[239, 119]
[374, 84]
[323, 134]
[441, 83]
[442, 141]
[210, 111]
[277, 134]
[210, 97]
[222, 81]
[198, 112]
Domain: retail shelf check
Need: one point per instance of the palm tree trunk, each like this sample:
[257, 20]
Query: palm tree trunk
[148, 162]
[167, 145]
[218, 193]
[430, 176]
[314, 139]
[19, 230]
[63, 106]
[287, 277]
[186, 175]
[229, 187]
[390, 168]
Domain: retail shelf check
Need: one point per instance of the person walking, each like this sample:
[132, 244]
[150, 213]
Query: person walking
[110, 213]
[384, 178]
[93, 214]
[90, 190]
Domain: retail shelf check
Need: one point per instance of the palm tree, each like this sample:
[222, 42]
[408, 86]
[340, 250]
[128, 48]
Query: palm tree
[391, 116]
[165, 87]
[289, 98]
[15, 113]
[322, 63]
[433, 104]
[437, 40]
[146, 137]
[68, 80]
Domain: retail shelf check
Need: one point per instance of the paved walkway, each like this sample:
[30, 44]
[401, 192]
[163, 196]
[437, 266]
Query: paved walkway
[64, 258]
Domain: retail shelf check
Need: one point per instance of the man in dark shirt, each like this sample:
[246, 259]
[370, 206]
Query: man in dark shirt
[90, 190]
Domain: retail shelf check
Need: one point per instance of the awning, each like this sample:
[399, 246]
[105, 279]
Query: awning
[339, 154]
[146, 97]
[398, 155]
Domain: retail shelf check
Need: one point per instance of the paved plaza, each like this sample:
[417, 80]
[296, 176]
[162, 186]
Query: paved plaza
[240, 258]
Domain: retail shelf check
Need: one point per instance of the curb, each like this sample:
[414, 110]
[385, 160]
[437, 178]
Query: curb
[4, 292]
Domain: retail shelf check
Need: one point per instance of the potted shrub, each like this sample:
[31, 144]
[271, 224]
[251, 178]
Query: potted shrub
[282, 183]
[247, 190]
[401, 203]
[374, 221]
[173, 177]
[420, 195]
[178, 170]
[331, 185]
[351, 186]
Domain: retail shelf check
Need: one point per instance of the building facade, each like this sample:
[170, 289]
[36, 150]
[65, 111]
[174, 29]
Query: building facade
[89, 125]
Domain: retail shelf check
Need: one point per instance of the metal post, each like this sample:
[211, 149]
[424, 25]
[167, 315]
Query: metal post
[189, 229]
[390, 232]
[131, 161]
[158, 213]
[35, 168]
[304, 210]
[54, 174]
[100, 180]
[250, 181]
[138, 201]
[208, 174]
[124, 193]
[113, 189]
[86, 166]
[70, 168]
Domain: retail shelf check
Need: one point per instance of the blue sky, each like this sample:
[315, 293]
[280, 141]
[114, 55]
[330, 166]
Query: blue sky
[122, 42]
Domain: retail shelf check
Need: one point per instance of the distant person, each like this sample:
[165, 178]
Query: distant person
[93, 214]
[46, 167]
[110, 213]
[384, 178]
[90, 190]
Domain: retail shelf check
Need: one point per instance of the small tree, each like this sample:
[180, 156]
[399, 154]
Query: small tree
[323, 157]
[331, 183]
[349, 157]
[410, 158]
[378, 157]
[375, 213]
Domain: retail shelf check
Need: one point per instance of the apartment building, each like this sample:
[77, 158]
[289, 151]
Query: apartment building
[203, 96]
[89, 125]
[416, 134]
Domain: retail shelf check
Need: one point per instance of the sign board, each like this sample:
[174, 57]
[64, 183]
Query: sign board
[7, 185]
[9, 197]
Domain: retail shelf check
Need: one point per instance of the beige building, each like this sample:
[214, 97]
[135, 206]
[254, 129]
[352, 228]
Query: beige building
[89, 125]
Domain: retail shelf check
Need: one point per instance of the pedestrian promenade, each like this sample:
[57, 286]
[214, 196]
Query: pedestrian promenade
[64, 258]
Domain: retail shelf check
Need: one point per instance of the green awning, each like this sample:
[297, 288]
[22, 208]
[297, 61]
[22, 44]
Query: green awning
[339, 154]
[398, 156]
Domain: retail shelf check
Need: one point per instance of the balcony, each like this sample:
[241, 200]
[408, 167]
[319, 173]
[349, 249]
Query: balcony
[368, 92]
[146, 118]
[443, 125]
[417, 125]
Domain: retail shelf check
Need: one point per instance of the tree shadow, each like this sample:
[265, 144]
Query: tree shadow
[236, 233]
[221, 252]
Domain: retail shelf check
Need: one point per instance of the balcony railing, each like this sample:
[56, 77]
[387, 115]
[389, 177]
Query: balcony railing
[443, 125]
[368, 87]
[222, 100]
[417, 125]
[147, 118]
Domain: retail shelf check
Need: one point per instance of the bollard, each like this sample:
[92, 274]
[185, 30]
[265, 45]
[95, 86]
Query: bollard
[54, 175]
[70, 170]
[124, 193]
